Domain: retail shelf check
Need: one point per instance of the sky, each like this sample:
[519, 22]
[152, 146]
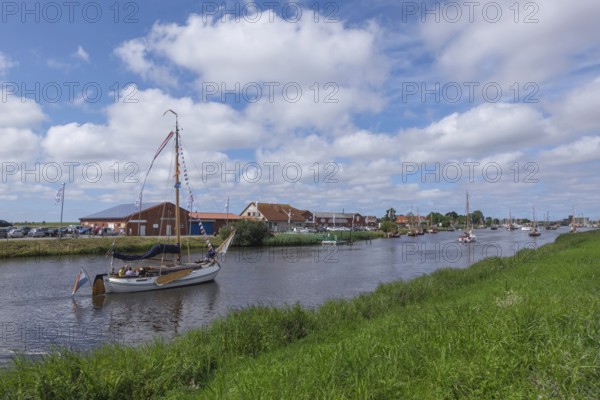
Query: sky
[354, 106]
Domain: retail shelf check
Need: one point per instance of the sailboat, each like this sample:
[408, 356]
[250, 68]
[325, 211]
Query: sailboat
[467, 235]
[431, 228]
[161, 266]
[573, 228]
[511, 226]
[534, 229]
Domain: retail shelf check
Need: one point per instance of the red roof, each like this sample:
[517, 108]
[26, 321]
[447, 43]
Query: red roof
[279, 212]
[207, 216]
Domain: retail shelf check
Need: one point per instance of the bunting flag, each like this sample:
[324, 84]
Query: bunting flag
[59, 196]
[163, 144]
[186, 180]
[80, 280]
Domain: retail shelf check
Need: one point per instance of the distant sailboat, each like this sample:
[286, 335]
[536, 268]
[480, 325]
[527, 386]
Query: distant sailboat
[511, 226]
[534, 230]
[467, 236]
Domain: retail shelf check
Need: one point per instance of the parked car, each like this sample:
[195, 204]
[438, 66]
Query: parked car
[15, 233]
[4, 224]
[85, 230]
[74, 228]
[3, 232]
[38, 232]
[107, 232]
[25, 230]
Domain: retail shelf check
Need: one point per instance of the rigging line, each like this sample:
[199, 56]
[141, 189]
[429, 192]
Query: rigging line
[212, 196]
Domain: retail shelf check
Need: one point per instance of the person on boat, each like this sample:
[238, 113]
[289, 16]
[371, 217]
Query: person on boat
[121, 272]
[211, 252]
[128, 272]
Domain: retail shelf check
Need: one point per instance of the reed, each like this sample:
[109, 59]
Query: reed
[304, 239]
[520, 327]
[32, 247]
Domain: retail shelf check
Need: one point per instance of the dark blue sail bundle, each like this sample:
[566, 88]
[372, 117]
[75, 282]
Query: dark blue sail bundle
[154, 251]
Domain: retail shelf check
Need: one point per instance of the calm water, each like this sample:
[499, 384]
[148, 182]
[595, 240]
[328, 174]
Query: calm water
[37, 311]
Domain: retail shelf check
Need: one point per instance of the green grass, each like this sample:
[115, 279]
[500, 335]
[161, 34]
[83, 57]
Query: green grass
[303, 239]
[31, 247]
[525, 327]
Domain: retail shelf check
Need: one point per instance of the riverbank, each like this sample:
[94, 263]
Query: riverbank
[54, 247]
[520, 327]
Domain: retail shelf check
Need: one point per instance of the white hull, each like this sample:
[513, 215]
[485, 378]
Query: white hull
[467, 237]
[114, 284]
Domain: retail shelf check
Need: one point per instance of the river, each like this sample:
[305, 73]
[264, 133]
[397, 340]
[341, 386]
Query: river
[38, 312]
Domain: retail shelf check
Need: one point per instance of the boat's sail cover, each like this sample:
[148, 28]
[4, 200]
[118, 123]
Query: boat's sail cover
[157, 249]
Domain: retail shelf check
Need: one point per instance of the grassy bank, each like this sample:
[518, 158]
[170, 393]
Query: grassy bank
[524, 327]
[31, 247]
[303, 239]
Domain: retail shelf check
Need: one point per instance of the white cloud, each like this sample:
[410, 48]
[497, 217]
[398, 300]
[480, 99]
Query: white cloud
[6, 63]
[133, 53]
[578, 152]
[309, 74]
[15, 113]
[578, 111]
[507, 51]
[18, 145]
[270, 51]
[82, 54]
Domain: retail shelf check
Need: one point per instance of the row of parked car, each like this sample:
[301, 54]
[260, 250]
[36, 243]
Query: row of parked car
[26, 231]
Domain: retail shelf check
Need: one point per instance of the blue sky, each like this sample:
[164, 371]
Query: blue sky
[329, 106]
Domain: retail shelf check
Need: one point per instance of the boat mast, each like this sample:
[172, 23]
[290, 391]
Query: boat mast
[177, 182]
[467, 217]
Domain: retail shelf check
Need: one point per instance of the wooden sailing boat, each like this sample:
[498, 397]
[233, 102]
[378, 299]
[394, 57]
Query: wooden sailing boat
[161, 266]
[511, 226]
[573, 228]
[467, 235]
[534, 229]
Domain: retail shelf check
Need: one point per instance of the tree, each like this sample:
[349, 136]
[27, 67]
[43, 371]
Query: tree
[248, 233]
[435, 218]
[477, 217]
[389, 226]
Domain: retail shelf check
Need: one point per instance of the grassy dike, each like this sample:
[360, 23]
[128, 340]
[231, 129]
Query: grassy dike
[55, 247]
[11, 248]
[524, 327]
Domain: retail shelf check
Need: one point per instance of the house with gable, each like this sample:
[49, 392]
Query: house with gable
[278, 217]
